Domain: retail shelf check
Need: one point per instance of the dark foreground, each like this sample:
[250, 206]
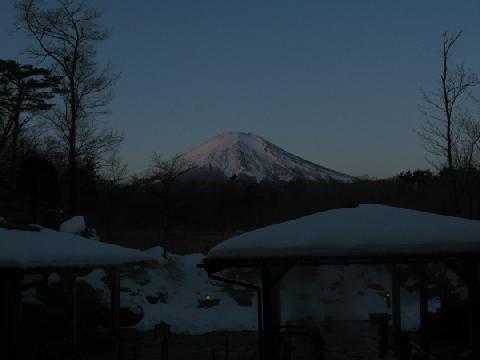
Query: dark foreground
[344, 340]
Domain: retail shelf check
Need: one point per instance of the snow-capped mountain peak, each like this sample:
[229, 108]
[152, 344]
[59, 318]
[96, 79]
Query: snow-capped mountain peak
[251, 156]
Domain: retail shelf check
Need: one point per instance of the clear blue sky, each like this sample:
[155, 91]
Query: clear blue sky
[336, 82]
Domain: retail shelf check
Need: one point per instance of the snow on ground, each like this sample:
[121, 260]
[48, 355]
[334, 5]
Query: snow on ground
[339, 292]
[345, 293]
[29, 296]
[97, 279]
[185, 284]
[180, 283]
[54, 278]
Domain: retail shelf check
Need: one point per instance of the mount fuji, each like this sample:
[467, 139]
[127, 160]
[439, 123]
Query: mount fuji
[249, 156]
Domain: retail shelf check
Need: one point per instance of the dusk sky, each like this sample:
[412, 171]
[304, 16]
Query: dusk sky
[335, 82]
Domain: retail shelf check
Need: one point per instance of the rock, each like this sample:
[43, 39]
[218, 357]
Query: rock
[162, 296]
[74, 225]
[243, 298]
[152, 299]
[139, 275]
[207, 303]
[129, 317]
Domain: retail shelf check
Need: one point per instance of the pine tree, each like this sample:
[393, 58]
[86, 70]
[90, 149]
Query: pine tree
[25, 90]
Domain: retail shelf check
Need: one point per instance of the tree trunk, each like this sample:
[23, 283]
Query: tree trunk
[14, 145]
[166, 218]
[72, 153]
[448, 109]
[165, 240]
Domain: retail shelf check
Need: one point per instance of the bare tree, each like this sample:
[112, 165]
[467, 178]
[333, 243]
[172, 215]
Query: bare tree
[468, 144]
[114, 172]
[449, 131]
[164, 173]
[94, 143]
[444, 106]
[65, 34]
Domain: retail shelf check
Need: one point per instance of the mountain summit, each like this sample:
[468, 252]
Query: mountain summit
[246, 155]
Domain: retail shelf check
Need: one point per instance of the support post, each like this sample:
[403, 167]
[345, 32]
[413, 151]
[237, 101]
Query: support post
[115, 301]
[258, 290]
[5, 320]
[74, 314]
[260, 324]
[268, 347]
[471, 272]
[396, 310]
[271, 309]
[11, 312]
[423, 292]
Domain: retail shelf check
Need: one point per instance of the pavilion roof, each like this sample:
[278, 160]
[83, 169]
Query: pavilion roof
[369, 233]
[45, 248]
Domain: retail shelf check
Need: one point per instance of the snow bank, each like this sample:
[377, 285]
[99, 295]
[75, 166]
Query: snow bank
[367, 230]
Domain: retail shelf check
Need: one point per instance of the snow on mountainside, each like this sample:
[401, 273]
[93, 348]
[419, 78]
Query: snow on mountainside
[247, 155]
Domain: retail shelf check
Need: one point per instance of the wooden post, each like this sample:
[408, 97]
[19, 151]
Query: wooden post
[276, 307]
[115, 301]
[227, 347]
[396, 310]
[271, 309]
[12, 283]
[471, 274]
[423, 292]
[74, 314]
[166, 348]
[268, 346]
[260, 324]
[5, 334]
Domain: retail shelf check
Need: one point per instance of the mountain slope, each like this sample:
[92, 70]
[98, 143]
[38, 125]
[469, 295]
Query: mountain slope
[247, 155]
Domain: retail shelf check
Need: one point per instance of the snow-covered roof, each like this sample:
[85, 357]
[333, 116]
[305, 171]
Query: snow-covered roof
[48, 248]
[361, 232]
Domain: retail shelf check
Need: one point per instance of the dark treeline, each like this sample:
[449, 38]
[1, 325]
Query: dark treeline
[234, 206]
[132, 213]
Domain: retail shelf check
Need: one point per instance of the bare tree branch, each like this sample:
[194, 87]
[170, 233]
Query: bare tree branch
[65, 32]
